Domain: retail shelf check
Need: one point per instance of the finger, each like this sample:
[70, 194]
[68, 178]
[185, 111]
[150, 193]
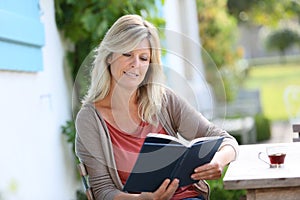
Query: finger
[171, 189]
[212, 171]
[162, 188]
[206, 167]
[174, 185]
[207, 175]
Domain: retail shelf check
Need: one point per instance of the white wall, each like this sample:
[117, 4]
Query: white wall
[36, 162]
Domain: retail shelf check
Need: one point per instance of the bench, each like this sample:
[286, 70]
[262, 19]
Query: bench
[237, 117]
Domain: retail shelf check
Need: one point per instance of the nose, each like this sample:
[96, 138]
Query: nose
[134, 62]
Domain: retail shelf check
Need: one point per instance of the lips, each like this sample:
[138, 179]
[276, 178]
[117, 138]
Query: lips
[130, 74]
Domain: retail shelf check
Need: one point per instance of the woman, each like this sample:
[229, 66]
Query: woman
[124, 103]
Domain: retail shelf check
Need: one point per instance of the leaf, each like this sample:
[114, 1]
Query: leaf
[88, 20]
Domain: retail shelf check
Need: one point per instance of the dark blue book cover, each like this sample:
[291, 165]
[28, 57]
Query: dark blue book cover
[164, 156]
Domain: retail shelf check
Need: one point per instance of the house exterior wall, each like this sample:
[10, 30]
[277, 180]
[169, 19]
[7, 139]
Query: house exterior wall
[36, 162]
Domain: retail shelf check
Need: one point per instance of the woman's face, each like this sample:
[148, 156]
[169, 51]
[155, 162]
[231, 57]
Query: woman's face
[129, 69]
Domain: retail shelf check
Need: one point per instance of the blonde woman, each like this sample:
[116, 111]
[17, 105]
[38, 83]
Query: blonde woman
[125, 101]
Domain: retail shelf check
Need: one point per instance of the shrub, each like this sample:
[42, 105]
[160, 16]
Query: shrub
[218, 192]
[263, 130]
[80, 195]
[281, 40]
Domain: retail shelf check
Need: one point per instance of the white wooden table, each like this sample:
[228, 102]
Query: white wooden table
[262, 182]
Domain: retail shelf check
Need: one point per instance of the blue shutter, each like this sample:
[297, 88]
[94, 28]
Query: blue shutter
[21, 35]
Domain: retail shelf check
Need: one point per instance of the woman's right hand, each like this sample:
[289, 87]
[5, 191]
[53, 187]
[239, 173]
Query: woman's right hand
[164, 192]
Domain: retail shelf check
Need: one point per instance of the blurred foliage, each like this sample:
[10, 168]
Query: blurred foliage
[269, 13]
[80, 195]
[218, 192]
[218, 22]
[70, 132]
[281, 40]
[263, 127]
[263, 12]
[218, 33]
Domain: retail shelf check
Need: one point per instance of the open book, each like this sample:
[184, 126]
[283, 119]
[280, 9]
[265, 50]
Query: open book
[164, 156]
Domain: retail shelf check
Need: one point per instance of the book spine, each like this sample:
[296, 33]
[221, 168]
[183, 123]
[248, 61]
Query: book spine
[178, 165]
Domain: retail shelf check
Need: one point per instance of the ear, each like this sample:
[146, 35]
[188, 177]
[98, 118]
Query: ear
[109, 59]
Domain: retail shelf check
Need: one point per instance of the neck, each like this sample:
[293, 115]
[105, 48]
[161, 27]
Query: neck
[120, 108]
[124, 109]
[122, 98]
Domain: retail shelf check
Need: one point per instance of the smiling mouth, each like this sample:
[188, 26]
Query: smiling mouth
[131, 74]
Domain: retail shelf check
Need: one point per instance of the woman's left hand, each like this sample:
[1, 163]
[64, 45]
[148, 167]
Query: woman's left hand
[214, 169]
[210, 171]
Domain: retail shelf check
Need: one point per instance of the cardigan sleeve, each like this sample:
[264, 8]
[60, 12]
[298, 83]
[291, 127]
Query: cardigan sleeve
[190, 123]
[91, 152]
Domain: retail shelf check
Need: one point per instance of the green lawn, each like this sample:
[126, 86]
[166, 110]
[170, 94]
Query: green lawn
[272, 80]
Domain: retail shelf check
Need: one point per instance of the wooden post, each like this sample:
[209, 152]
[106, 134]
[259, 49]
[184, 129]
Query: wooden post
[296, 129]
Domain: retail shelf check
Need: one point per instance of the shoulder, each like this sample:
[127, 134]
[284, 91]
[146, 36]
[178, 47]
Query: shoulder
[87, 116]
[87, 110]
[170, 96]
[173, 100]
[173, 105]
[178, 107]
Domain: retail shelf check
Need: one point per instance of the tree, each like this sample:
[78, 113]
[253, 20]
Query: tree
[262, 12]
[239, 9]
[217, 30]
[281, 40]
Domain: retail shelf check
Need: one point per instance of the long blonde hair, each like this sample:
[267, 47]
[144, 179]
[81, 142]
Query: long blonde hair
[125, 34]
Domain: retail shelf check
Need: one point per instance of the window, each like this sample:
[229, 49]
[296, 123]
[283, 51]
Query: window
[21, 36]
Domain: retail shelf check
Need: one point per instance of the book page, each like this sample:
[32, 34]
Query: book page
[181, 140]
[167, 137]
[202, 139]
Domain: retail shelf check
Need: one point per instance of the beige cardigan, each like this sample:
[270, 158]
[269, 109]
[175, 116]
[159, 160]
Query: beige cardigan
[94, 148]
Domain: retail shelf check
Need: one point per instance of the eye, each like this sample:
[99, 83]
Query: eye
[126, 54]
[144, 58]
